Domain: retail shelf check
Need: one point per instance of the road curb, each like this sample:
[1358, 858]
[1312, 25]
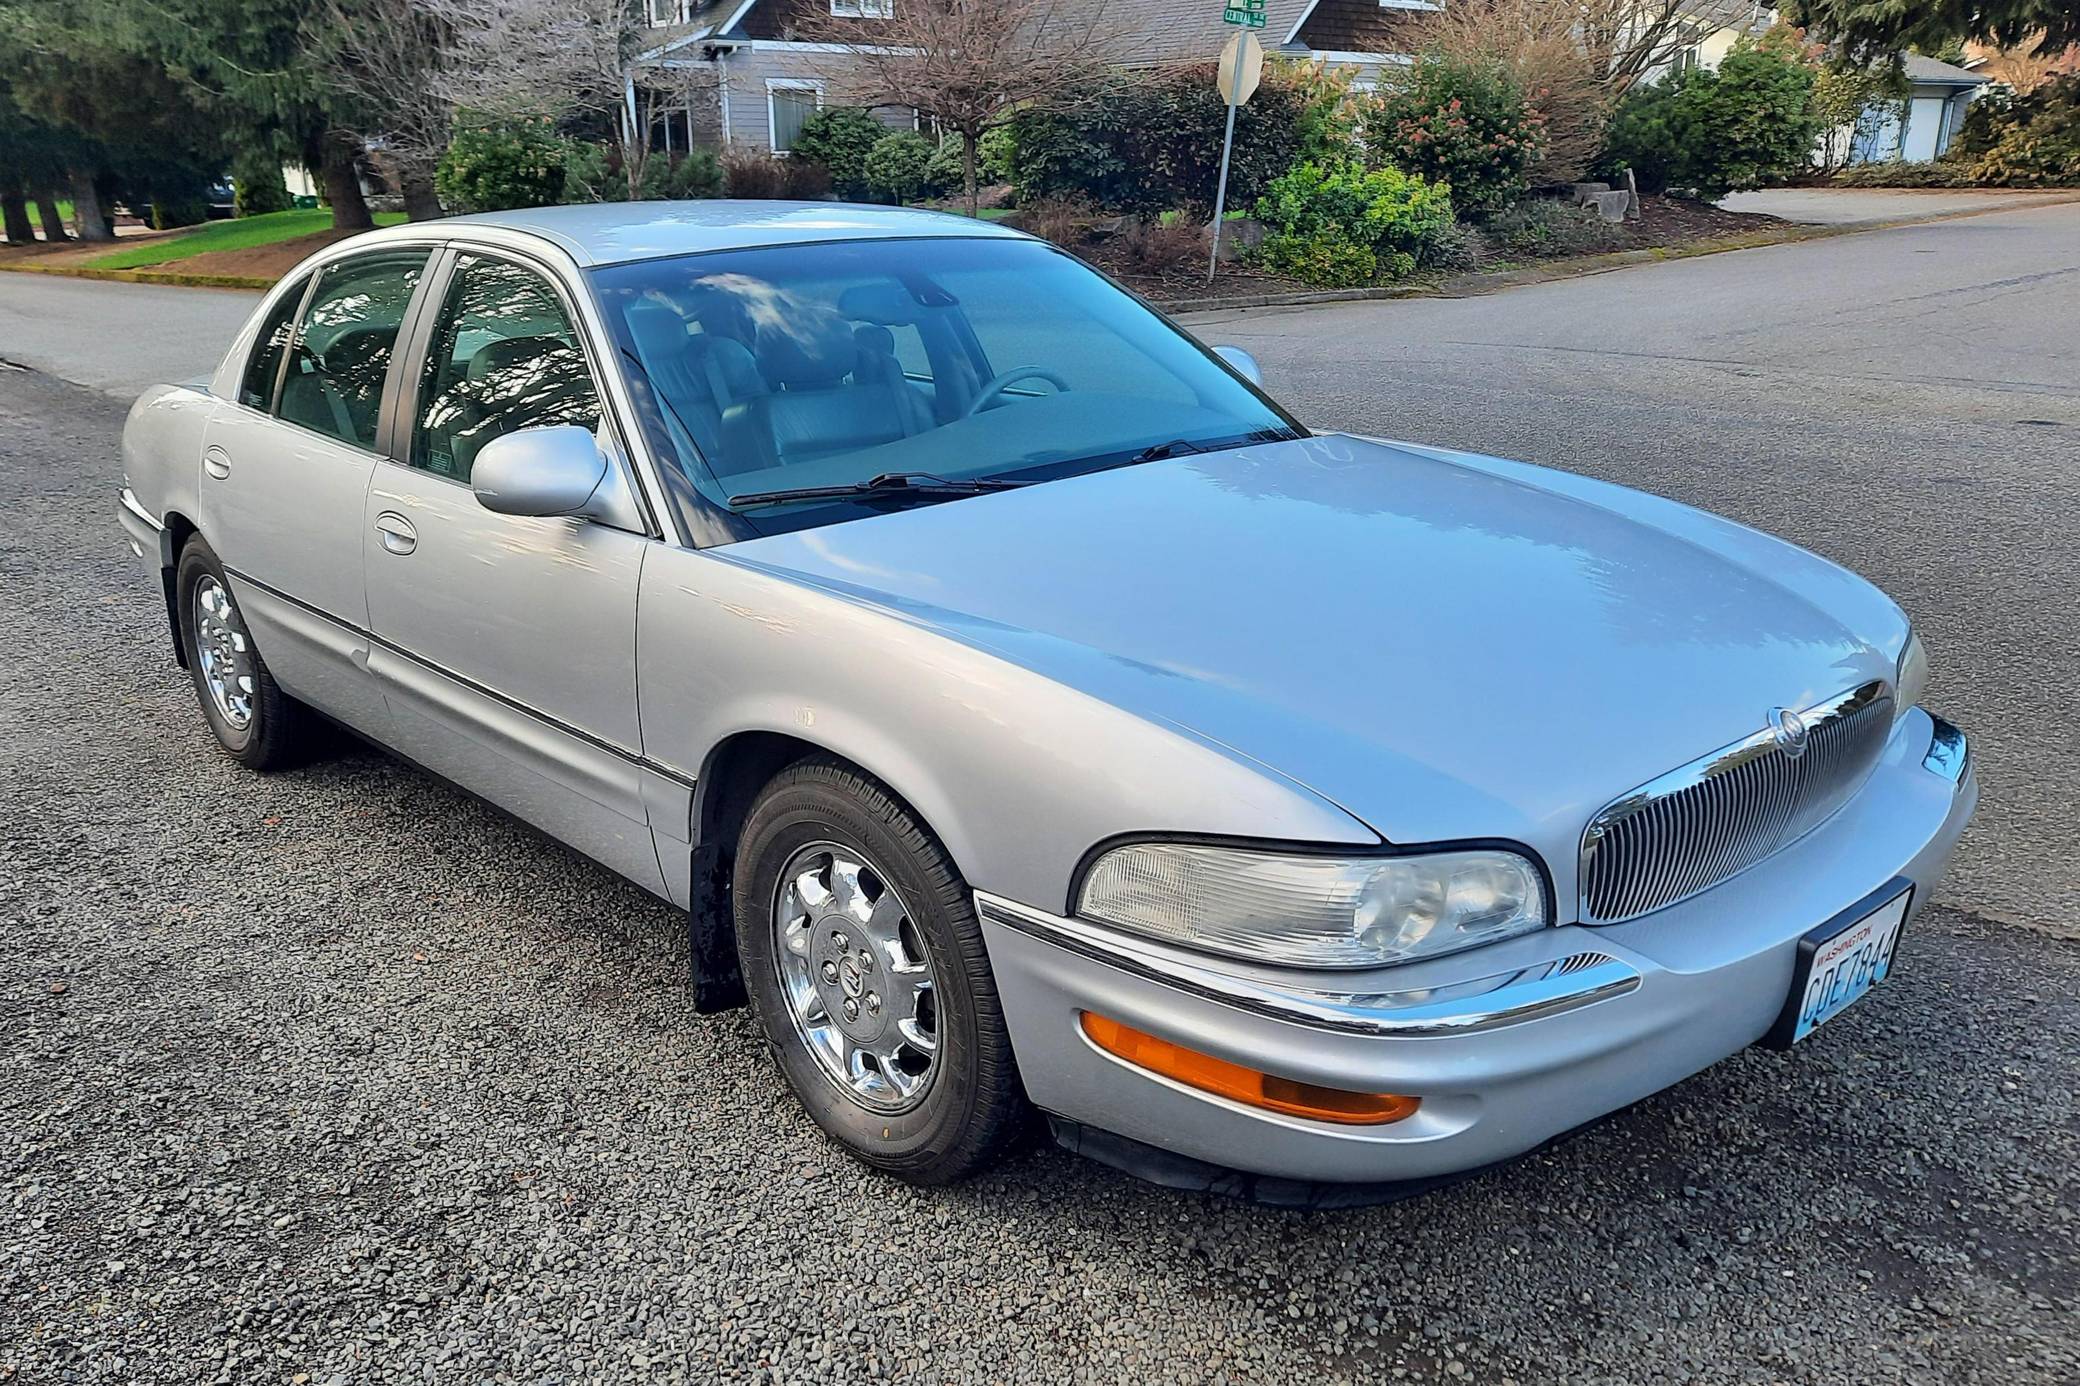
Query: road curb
[1492, 281]
[181, 278]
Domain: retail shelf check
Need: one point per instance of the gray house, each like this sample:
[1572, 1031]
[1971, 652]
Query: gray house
[739, 73]
[1921, 127]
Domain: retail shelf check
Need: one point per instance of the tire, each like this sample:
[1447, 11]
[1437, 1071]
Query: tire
[261, 727]
[969, 1107]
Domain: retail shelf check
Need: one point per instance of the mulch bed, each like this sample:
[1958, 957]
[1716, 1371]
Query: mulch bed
[1673, 221]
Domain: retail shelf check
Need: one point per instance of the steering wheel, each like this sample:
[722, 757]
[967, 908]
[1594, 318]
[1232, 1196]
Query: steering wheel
[1009, 378]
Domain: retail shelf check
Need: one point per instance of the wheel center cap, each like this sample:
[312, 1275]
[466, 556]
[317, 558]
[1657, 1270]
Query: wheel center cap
[850, 980]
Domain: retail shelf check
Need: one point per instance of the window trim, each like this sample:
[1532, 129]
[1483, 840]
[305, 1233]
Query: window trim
[406, 325]
[863, 9]
[281, 367]
[779, 84]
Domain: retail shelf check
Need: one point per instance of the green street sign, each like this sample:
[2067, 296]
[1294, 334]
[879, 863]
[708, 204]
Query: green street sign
[1248, 19]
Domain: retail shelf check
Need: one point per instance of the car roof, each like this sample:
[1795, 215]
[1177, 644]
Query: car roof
[609, 233]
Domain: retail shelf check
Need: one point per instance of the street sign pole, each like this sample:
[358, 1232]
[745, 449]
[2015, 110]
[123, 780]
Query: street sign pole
[1220, 196]
[1241, 68]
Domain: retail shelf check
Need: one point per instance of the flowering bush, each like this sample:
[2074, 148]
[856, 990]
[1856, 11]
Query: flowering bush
[1465, 122]
[1343, 225]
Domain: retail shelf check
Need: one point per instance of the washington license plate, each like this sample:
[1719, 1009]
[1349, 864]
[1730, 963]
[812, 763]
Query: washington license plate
[1839, 962]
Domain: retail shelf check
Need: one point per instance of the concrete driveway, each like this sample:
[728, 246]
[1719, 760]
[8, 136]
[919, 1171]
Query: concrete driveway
[1859, 206]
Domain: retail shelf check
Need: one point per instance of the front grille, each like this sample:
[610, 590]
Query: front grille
[1700, 823]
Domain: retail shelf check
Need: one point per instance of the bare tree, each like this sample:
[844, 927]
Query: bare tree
[387, 57]
[1626, 40]
[549, 60]
[969, 64]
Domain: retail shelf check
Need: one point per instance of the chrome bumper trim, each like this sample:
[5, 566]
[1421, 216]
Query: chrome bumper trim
[1949, 752]
[131, 504]
[1488, 1002]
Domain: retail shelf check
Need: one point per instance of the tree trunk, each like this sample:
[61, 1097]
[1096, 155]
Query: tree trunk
[89, 219]
[47, 211]
[421, 202]
[342, 183]
[970, 142]
[14, 217]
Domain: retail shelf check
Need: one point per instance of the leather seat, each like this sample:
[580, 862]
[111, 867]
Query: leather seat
[831, 388]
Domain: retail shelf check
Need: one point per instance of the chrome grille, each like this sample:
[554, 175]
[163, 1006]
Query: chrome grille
[1700, 823]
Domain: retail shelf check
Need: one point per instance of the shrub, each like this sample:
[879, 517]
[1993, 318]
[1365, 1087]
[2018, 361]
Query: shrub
[748, 173]
[589, 175]
[256, 180]
[1545, 228]
[1892, 173]
[899, 166]
[840, 138]
[492, 167]
[1542, 44]
[1464, 122]
[693, 175]
[1746, 124]
[1345, 225]
[2026, 141]
[1159, 247]
[993, 156]
[1066, 221]
[1151, 142]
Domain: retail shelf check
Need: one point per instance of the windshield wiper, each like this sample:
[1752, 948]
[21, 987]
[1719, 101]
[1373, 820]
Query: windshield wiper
[887, 485]
[1159, 451]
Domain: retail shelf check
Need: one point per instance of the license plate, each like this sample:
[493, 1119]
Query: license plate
[1839, 962]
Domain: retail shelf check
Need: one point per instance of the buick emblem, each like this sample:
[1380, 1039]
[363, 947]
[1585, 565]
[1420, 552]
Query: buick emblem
[1789, 731]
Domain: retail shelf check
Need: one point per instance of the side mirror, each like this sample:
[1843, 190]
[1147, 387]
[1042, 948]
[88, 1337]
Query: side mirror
[1242, 361]
[555, 470]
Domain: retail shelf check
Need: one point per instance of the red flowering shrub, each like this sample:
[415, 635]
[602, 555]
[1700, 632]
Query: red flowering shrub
[1464, 122]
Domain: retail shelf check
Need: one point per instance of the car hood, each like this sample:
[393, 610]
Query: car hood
[1447, 647]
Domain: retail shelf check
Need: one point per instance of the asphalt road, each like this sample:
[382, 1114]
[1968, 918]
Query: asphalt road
[337, 1075]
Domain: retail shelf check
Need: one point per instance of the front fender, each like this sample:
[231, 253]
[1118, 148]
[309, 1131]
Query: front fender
[1018, 775]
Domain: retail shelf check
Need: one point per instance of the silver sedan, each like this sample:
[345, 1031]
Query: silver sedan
[1030, 713]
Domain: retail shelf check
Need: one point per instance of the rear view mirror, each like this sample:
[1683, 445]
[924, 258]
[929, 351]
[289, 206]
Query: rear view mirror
[1244, 363]
[554, 470]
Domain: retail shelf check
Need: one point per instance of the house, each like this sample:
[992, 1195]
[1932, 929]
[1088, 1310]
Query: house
[739, 74]
[1920, 127]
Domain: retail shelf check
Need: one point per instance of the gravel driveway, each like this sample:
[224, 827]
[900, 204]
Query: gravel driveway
[340, 1076]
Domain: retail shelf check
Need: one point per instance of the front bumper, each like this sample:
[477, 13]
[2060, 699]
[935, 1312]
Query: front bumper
[1508, 1046]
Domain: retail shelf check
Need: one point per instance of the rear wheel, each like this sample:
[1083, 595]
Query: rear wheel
[253, 720]
[865, 965]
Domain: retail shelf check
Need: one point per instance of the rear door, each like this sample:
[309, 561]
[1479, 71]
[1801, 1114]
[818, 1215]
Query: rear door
[506, 644]
[286, 467]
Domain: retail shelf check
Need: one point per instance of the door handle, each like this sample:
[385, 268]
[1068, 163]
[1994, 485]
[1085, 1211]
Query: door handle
[398, 535]
[216, 462]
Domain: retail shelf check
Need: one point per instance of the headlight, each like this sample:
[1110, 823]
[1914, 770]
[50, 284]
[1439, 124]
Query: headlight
[1911, 681]
[1314, 911]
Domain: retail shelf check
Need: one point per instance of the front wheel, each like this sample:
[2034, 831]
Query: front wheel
[865, 964]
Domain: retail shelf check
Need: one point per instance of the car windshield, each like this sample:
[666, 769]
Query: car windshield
[905, 371]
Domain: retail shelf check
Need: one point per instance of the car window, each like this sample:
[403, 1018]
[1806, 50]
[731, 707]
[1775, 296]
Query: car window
[504, 356]
[264, 366]
[828, 365]
[344, 343]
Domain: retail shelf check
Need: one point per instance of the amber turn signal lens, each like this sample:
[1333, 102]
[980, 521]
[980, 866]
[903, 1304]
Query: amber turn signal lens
[1245, 1085]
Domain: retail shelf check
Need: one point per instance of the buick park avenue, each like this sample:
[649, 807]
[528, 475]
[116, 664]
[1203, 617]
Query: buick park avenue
[1030, 714]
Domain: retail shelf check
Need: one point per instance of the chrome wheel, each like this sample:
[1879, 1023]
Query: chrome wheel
[856, 977]
[224, 653]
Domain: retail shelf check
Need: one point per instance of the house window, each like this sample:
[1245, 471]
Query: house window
[1687, 59]
[864, 9]
[663, 12]
[789, 104]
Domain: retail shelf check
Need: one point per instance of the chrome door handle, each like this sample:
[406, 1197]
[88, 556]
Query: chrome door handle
[217, 463]
[398, 535]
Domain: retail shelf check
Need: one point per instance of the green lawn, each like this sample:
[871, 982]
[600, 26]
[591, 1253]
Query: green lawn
[238, 233]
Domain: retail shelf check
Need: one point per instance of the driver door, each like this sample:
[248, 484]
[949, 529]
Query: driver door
[505, 644]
